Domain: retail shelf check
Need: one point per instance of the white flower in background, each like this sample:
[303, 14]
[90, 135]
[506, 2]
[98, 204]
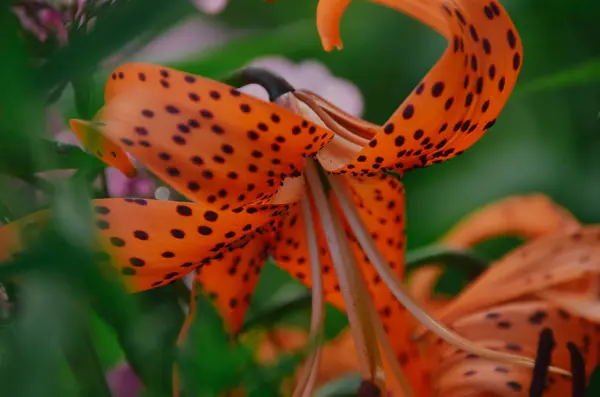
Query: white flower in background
[211, 6]
[313, 76]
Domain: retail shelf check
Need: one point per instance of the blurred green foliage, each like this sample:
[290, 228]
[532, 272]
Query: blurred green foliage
[76, 322]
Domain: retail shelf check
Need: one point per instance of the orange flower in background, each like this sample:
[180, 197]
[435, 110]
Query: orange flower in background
[509, 304]
[557, 244]
[252, 172]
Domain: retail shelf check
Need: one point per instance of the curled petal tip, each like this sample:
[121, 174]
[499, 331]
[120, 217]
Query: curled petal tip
[330, 46]
[329, 15]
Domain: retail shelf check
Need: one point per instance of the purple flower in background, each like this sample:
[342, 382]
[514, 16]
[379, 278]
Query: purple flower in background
[42, 20]
[119, 185]
[211, 6]
[314, 76]
[123, 382]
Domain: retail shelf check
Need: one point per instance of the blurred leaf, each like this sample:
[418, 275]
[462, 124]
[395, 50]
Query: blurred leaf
[265, 381]
[209, 362]
[85, 96]
[106, 340]
[342, 387]
[593, 388]
[266, 15]
[65, 156]
[33, 366]
[148, 335]
[85, 364]
[469, 262]
[587, 72]
[274, 311]
[21, 113]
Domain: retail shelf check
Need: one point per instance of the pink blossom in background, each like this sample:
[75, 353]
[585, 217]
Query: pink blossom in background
[42, 20]
[313, 76]
[210, 6]
[119, 185]
[123, 382]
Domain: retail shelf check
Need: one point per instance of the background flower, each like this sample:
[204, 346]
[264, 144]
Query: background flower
[123, 382]
[314, 76]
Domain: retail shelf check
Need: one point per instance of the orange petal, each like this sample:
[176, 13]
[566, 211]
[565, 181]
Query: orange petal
[90, 135]
[330, 12]
[544, 263]
[513, 327]
[461, 96]
[528, 216]
[154, 242]
[230, 280]
[206, 139]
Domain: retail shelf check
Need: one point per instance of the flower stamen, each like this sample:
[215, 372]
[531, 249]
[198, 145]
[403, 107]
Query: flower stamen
[349, 279]
[399, 291]
[308, 374]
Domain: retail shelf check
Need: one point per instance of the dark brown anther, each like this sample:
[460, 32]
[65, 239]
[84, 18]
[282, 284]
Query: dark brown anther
[542, 362]
[368, 389]
[578, 382]
[275, 85]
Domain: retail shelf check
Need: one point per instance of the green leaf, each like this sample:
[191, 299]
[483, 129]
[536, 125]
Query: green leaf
[469, 262]
[343, 387]
[85, 364]
[265, 381]
[593, 388]
[274, 311]
[148, 335]
[209, 363]
[584, 73]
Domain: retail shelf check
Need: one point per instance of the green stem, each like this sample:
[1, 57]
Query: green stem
[85, 364]
[469, 262]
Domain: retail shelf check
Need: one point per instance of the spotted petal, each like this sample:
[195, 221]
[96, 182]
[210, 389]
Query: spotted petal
[461, 96]
[527, 216]
[512, 328]
[231, 279]
[566, 260]
[206, 139]
[154, 242]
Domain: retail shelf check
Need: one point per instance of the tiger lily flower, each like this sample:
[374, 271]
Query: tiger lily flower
[252, 172]
[561, 259]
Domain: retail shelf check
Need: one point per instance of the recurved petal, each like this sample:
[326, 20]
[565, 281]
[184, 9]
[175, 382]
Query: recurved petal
[461, 96]
[209, 141]
[567, 260]
[527, 216]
